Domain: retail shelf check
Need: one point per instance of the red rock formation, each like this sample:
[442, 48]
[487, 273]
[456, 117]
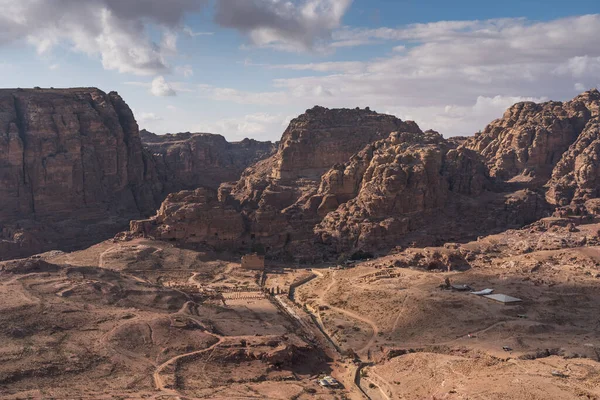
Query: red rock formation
[191, 160]
[576, 177]
[392, 187]
[194, 217]
[531, 138]
[404, 187]
[321, 137]
[68, 159]
[271, 195]
[73, 169]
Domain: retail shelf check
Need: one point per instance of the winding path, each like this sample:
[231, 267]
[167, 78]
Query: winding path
[158, 380]
[350, 314]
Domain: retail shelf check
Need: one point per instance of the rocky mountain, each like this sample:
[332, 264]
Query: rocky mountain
[340, 182]
[530, 139]
[71, 165]
[74, 170]
[300, 207]
[189, 160]
[388, 188]
[554, 144]
[266, 206]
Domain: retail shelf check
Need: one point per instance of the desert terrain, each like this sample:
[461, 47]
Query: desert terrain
[388, 262]
[144, 319]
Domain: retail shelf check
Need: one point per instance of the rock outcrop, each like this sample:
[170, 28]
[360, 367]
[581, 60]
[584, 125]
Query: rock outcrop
[531, 138]
[576, 177]
[69, 160]
[270, 196]
[397, 186]
[391, 186]
[73, 167]
[75, 170]
[321, 137]
[191, 160]
[553, 144]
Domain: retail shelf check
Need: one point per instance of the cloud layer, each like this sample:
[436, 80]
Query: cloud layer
[117, 31]
[113, 30]
[454, 76]
[283, 24]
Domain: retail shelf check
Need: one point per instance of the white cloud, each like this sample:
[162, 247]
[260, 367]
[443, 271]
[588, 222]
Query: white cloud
[185, 70]
[242, 97]
[579, 66]
[351, 43]
[171, 108]
[261, 126]
[455, 76]
[117, 31]
[332, 66]
[451, 120]
[54, 67]
[113, 30]
[283, 24]
[191, 33]
[161, 88]
[147, 117]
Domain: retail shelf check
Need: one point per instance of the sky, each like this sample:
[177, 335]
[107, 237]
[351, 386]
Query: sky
[245, 68]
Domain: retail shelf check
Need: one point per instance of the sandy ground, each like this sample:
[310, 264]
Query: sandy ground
[143, 319]
[457, 339]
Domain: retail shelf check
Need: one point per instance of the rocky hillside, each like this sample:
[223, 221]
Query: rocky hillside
[532, 139]
[190, 160]
[340, 182]
[388, 190]
[74, 170]
[553, 144]
[71, 166]
[270, 197]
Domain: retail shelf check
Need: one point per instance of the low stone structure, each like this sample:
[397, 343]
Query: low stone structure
[253, 262]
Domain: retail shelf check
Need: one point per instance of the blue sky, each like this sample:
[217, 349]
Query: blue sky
[244, 68]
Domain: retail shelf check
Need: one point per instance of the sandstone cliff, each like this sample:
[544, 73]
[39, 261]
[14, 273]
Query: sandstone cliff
[531, 138]
[553, 144]
[340, 182]
[270, 196]
[392, 187]
[69, 159]
[576, 177]
[191, 160]
[74, 169]
[321, 137]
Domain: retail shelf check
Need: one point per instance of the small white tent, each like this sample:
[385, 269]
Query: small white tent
[502, 298]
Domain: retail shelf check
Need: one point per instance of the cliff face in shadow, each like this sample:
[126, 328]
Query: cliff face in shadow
[191, 160]
[74, 169]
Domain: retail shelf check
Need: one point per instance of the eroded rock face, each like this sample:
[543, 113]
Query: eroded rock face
[191, 160]
[576, 176]
[386, 190]
[531, 138]
[392, 187]
[321, 137]
[66, 150]
[69, 157]
[271, 195]
[194, 217]
[407, 187]
[74, 169]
